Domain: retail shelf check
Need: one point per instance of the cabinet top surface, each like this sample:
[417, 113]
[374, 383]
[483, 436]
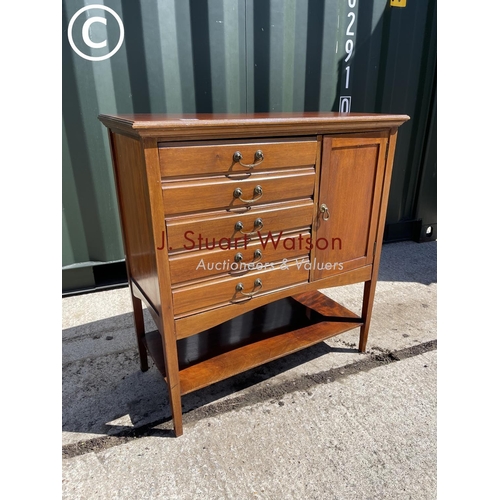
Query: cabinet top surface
[315, 122]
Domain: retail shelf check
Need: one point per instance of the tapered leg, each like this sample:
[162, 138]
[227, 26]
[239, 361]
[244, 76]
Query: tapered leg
[176, 406]
[172, 370]
[140, 331]
[368, 297]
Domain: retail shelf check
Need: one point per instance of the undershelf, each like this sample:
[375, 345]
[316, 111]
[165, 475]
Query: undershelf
[255, 338]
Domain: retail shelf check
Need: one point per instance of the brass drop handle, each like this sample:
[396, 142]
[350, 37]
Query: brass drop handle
[257, 255]
[257, 191]
[259, 156]
[257, 285]
[257, 225]
[324, 210]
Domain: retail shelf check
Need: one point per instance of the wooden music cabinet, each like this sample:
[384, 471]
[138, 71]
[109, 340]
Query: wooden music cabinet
[231, 224]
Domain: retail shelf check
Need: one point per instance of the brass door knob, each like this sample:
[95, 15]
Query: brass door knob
[324, 210]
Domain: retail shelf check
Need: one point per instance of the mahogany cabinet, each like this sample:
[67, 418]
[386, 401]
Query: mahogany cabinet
[232, 223]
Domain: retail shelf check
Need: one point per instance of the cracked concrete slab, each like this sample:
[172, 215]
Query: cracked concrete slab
[327, 442]
[116, 418]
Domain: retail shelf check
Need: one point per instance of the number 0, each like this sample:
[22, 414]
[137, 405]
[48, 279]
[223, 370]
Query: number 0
[345, 106]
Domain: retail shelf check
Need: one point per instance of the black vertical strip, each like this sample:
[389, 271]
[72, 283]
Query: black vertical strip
[384, 57]
[136, 56]
[425, 94]
[338, 93]
[200, 40]
[262, 54]
[426, 199]
[315, 17]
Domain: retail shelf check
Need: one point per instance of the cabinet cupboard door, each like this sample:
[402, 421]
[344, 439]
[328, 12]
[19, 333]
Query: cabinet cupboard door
[352, 172]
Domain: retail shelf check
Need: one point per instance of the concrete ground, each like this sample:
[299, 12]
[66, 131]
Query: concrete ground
[324, 423]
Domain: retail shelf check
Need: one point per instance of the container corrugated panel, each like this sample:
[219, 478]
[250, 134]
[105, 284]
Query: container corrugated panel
[185, 56]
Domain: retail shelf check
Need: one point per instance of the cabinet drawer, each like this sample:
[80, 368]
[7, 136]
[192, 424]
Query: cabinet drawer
[199, 232]
[200, 158]
[238, 261]
[219, 292]
[220, 192]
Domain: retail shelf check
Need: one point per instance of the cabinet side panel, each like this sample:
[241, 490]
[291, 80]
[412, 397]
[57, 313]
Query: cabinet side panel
[135, 213]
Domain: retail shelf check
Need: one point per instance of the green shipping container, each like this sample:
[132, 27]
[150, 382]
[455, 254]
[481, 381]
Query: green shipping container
[219, 56]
